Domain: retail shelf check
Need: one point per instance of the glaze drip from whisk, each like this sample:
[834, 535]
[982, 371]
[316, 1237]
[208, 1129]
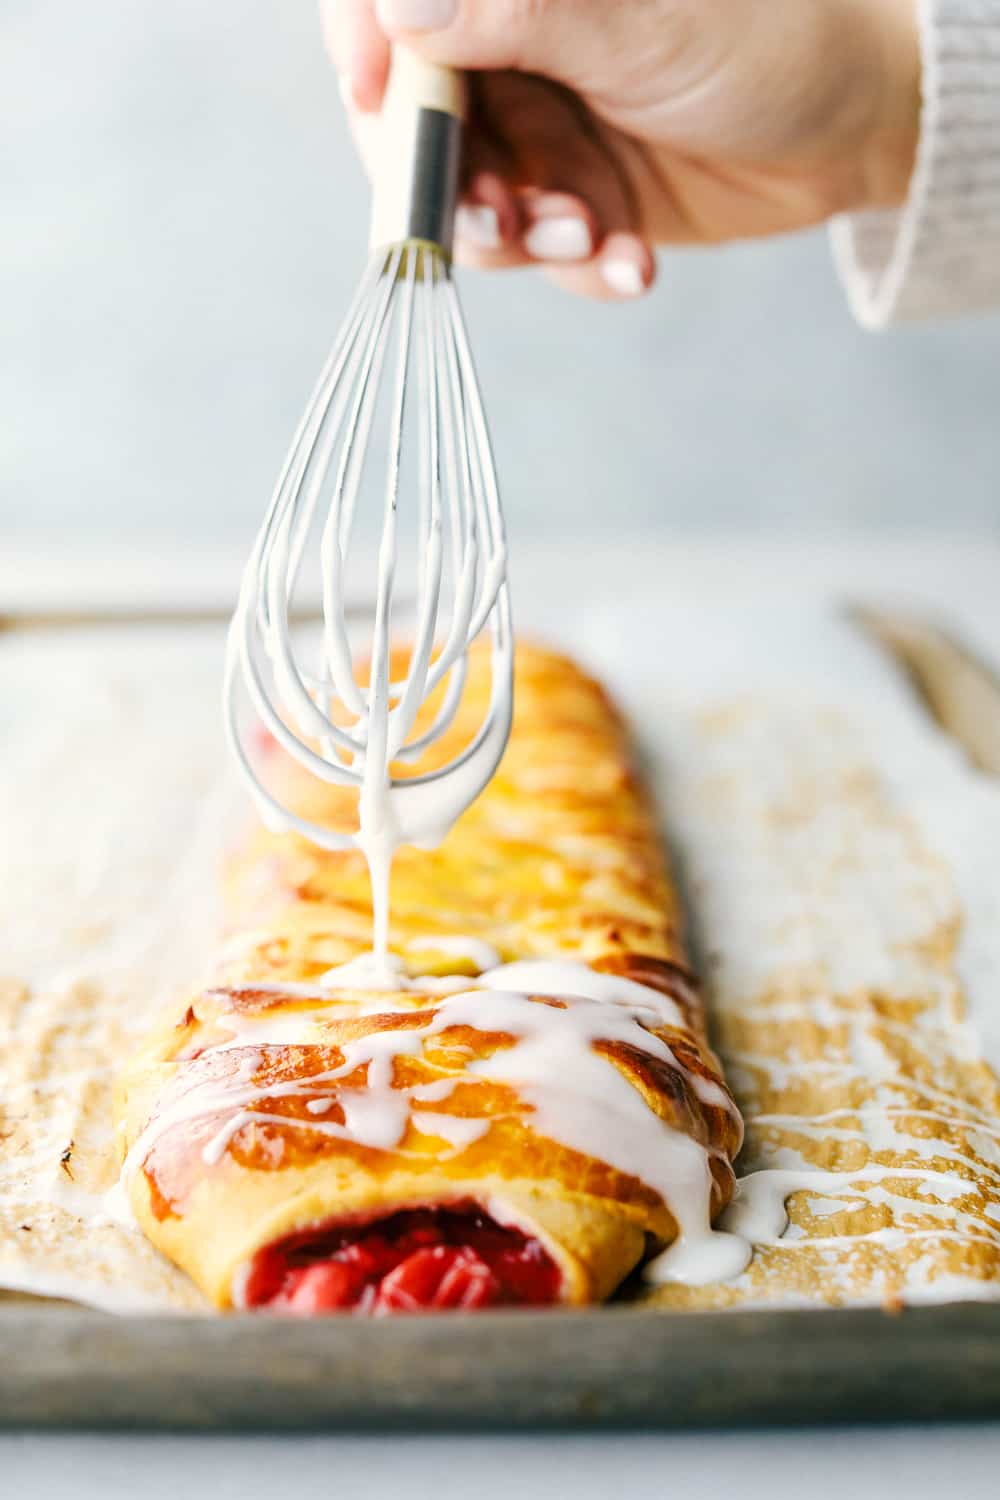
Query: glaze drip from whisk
[440, 508]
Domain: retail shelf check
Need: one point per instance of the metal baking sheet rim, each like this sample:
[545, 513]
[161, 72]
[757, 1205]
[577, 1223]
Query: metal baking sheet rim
[617, 1367]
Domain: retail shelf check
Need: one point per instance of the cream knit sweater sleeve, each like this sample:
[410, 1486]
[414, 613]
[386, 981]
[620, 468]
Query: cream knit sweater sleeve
[939, 255]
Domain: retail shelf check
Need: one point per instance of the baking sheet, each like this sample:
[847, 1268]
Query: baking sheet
[614, 1367]
[129, 773]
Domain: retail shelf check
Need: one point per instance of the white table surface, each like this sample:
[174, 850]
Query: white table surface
[838, 1464]
[957, 577]
[957, 574]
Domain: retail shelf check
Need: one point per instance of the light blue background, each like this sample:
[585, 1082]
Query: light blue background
[183, 222]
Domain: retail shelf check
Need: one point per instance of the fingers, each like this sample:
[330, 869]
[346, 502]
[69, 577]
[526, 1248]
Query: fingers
[623, 268]
[551, 37]
[496, 229]
[501, 227]
[359, 49]
[488, 222]
[568, 200]
[541, 188]
[560, 228]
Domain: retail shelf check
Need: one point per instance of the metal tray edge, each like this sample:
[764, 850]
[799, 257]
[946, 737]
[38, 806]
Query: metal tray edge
[625, 1367]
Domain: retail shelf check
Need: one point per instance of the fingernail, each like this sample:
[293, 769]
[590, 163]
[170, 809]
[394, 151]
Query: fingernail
[478, 225]
[564, 238]
[623, 277]
[416, 15]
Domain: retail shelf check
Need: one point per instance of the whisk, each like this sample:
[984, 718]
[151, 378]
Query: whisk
[402, 360]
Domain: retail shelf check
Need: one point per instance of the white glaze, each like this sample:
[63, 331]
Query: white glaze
[574, 1095]
[557, 977]
[758, 1210]
[463, 533]
[391, 814]
[452, 1128]
[459, 945]
[387, 971]
[564, 977]
[581, 1100]
[367, 971]
[879, 1116]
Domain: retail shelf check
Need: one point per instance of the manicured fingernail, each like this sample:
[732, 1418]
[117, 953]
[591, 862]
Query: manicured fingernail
[478, 225]
[416, 15]
[560, 238]
[623, 277]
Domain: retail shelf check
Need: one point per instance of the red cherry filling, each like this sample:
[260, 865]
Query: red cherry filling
[427, 1258]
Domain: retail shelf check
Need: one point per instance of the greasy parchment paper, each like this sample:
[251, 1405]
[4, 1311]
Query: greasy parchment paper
[839, 858]
[114, 803]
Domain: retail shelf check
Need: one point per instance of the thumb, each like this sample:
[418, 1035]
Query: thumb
[560, 38]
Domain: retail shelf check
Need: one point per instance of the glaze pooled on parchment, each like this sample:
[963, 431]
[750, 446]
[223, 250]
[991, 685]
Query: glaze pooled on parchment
[837, 861]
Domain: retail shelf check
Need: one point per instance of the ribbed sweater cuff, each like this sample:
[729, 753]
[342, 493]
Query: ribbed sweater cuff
[940, 254]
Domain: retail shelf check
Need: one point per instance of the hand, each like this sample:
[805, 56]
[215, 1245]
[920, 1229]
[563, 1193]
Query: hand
[599, 128]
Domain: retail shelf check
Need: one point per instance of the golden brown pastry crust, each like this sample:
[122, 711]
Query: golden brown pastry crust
[559, 857]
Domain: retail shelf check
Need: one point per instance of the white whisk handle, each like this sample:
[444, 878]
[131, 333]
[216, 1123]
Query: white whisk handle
[416, 83]
[418, 153]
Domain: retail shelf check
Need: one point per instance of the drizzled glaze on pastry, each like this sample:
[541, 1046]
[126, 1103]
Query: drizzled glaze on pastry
[761, 904]
[559, 1034]
[583, 1100]
[549, 831]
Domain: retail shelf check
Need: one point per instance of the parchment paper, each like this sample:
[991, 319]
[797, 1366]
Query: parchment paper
[832, 842]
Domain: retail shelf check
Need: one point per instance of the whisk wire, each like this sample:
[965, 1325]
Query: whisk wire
[336, 537]
[345, 732]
